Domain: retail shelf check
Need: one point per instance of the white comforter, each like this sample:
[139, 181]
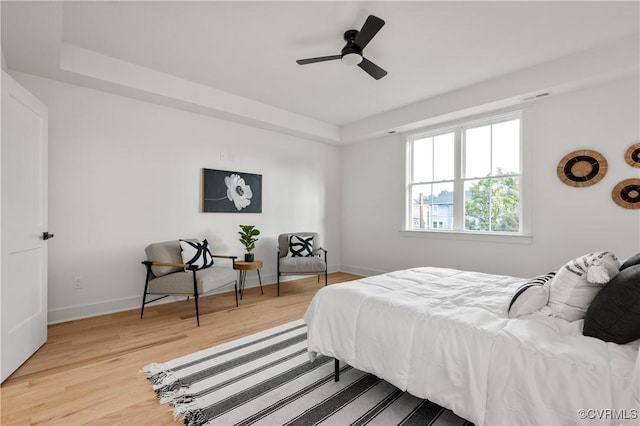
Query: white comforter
[444, 335]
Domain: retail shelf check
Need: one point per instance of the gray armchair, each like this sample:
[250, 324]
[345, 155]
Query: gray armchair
[167, 275]
[302, 259]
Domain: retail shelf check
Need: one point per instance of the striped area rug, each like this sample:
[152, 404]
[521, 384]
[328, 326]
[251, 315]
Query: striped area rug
[267, 379]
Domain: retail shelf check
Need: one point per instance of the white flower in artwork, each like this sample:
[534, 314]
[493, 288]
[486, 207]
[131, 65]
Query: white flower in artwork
[238, 191]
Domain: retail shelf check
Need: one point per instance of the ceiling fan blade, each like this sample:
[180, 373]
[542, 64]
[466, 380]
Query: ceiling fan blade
[372, 69]
[319, 59]
[370, 28]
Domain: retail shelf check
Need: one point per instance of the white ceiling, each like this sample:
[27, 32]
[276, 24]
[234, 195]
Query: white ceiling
[249, 48]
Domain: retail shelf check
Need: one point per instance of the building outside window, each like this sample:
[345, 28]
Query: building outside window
[466, 177]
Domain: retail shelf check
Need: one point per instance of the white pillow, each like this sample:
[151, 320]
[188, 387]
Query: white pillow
[196, 253]
[578, 282]
[530, 296]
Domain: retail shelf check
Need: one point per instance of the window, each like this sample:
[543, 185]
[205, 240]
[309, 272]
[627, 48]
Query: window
[466, 178]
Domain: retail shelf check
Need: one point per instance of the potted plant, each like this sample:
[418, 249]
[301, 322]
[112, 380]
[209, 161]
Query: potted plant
[248, 239]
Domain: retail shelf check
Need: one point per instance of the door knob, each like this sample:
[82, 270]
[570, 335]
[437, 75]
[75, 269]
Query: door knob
[46, 236]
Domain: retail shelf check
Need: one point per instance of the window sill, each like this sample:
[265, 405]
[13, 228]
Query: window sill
[468, 236]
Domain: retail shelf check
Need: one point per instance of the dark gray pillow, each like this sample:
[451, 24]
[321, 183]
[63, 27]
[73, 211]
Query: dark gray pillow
[633, 260]
[614, 314]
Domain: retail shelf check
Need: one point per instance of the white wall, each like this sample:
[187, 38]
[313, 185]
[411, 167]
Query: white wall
[566, 221]
[3, 60]
[124, 173]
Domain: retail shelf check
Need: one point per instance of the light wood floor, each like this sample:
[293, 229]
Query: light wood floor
[88, 371]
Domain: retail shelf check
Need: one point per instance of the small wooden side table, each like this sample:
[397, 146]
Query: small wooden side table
[243, 267]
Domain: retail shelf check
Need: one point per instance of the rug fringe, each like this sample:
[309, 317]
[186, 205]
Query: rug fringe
[168, 378]
[181, 409]
[173, 394]
[157, 375]
[168, 393]
[151, 371]
[158, 378]
[195, 418]
[152, 368]
[184, 399]
[190, 412]
[165, 384]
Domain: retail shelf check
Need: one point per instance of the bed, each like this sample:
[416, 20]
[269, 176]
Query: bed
[444, 335]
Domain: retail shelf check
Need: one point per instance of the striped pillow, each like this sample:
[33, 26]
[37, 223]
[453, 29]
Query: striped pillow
[530, 296]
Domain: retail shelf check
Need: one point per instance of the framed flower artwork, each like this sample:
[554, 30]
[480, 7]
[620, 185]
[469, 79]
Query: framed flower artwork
[231, 192]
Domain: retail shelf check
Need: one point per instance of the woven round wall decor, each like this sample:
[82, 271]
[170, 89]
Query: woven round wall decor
[627, 194]
[584, 167]
[632, 156]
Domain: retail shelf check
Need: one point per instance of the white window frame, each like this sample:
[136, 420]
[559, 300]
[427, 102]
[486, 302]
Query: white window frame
[458, 232]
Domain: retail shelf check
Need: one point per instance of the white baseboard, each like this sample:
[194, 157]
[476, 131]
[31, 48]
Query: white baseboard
[71, 313]
[367, 272]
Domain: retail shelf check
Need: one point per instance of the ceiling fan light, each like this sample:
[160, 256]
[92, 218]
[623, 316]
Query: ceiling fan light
[351, 59]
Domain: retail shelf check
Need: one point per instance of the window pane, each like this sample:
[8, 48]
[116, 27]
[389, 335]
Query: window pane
[477, 152]
[477, 206]
[432, 206]
[505, 206]
[492, 205]
[506, 147]
[443, 152]
[423, 160]
[420, 194]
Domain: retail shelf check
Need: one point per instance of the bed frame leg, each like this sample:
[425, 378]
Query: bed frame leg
[336, 371]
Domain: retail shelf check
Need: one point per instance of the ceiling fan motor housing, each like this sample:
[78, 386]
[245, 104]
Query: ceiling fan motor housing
[351, 53]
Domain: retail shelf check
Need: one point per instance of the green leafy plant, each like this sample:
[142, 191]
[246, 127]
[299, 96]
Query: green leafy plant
[248, 236]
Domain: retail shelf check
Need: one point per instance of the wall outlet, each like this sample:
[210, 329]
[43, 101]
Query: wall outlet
[225, 155]
[77, 283]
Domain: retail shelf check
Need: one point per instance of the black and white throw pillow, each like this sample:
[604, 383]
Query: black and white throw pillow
[578, 281]
[530, 296]
[300, 246]
[196, 253]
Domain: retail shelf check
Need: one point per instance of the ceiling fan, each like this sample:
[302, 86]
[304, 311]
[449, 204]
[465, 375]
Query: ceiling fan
[352, 51]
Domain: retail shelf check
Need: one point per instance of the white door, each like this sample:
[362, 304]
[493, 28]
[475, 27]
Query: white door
[23, 215]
